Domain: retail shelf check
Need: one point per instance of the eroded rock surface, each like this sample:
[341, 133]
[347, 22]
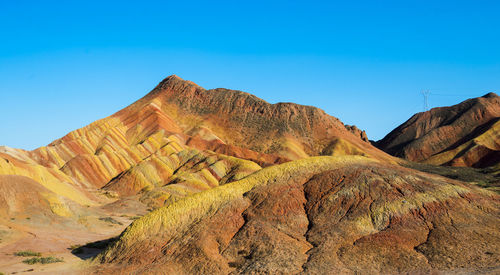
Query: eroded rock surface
[317, 216]
[466, 134]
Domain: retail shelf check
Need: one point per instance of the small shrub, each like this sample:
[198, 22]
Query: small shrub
[44, 260]
[27, 253]
[32, 261]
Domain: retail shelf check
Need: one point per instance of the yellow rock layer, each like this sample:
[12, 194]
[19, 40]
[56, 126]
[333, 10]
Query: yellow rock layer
[489, 139]
[176, 216]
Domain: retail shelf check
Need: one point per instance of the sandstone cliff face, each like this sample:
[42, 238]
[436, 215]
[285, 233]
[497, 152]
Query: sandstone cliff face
[335, 215]
[466, 134]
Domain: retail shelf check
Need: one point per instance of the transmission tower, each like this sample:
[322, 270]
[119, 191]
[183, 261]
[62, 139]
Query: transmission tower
[425, 94]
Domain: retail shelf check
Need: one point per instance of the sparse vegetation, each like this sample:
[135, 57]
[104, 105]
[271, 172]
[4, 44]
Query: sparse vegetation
[485, 177]
[42, 260]
[27, 253]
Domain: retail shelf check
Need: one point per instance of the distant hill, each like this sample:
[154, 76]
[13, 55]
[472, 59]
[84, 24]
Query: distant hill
[466, 134]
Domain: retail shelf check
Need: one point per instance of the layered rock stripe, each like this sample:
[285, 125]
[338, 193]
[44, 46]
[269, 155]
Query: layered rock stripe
[142, 146]
[338, 215]
[466, 134]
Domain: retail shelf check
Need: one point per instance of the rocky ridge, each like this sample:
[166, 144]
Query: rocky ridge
[466, 134]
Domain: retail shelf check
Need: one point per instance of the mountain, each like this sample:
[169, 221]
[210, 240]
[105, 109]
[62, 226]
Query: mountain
[466, 134]
[188, 180]
[145, 144]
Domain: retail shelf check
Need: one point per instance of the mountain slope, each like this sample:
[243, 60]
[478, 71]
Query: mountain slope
[181, 139]
[238, 186]
[466, 134]
[338, 215]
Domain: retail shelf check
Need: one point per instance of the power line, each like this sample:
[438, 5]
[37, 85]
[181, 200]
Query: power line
[455, 95]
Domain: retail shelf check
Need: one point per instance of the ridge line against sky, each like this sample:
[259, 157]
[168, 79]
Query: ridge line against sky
[64, 65]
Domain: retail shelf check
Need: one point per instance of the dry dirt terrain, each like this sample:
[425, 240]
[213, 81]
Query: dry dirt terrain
[194, 181]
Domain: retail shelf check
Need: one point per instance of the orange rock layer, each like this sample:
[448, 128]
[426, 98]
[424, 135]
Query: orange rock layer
[327, 215]
[143, 146]
[466, 134]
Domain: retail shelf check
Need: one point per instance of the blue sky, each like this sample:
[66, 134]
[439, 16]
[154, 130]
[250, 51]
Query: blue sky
[64, 65]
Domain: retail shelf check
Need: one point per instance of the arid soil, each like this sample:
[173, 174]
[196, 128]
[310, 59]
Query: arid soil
[194, 181]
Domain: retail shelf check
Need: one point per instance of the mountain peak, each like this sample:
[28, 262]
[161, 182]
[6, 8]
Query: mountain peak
[173, 77]
[490, 95]
[174, 80]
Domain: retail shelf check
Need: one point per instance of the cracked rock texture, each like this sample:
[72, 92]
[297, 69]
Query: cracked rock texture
[325, 215]
[236, 185]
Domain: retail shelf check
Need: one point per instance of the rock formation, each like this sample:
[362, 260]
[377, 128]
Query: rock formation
[466, 134]
[149, 143]
[233, 184]
[336, 215]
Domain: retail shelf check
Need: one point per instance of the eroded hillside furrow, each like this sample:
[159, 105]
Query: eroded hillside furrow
[376, 220]
[273, 234]
[465, 134]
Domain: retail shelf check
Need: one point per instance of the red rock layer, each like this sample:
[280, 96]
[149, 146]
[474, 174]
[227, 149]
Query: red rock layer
[354, 219]
[466, 134]
[180, 113]
[240, 119]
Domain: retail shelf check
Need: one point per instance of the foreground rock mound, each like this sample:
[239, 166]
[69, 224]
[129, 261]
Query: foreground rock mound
[335, 215]
[466, 134]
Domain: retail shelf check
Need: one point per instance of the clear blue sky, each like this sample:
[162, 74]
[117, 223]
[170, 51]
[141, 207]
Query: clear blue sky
[64, 65]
